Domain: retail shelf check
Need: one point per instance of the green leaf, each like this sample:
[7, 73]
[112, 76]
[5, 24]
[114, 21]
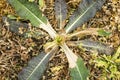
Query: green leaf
[11, 16]
[31, 0]
[102, 32]
[76, 65]
[28, 10]
[41, 3]
[36, 67]
[86, 10]
[80, 72]
[117, 54]
[60, 12]
[101, 63]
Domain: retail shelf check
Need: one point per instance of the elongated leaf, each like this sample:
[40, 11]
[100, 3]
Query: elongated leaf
[93, 45]
[85, 11]
[88, 31]
[60, 11]
[83, 71]
[21, 28]
[14, 25]
[36, 67]
[76, 65]
[102, 32]
[30, 11]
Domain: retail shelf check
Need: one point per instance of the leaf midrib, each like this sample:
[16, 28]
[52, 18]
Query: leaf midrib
[65, 47]
[67, 30]
[31, 12]
[79, 72]
[37, 66]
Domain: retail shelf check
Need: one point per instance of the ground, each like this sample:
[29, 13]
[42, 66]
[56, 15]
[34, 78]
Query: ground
[16, 51]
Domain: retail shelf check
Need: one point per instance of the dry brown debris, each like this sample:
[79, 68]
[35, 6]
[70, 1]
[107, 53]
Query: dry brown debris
[5, 8]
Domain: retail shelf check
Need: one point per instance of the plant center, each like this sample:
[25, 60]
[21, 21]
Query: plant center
[60, 39]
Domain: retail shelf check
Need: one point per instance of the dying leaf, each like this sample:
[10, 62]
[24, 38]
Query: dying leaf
[93, 45]
[15, 26]
[86, 10]
[88, 31]
[60, 12]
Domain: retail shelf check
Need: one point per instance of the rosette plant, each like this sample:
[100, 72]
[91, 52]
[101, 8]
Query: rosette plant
[86, 10]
